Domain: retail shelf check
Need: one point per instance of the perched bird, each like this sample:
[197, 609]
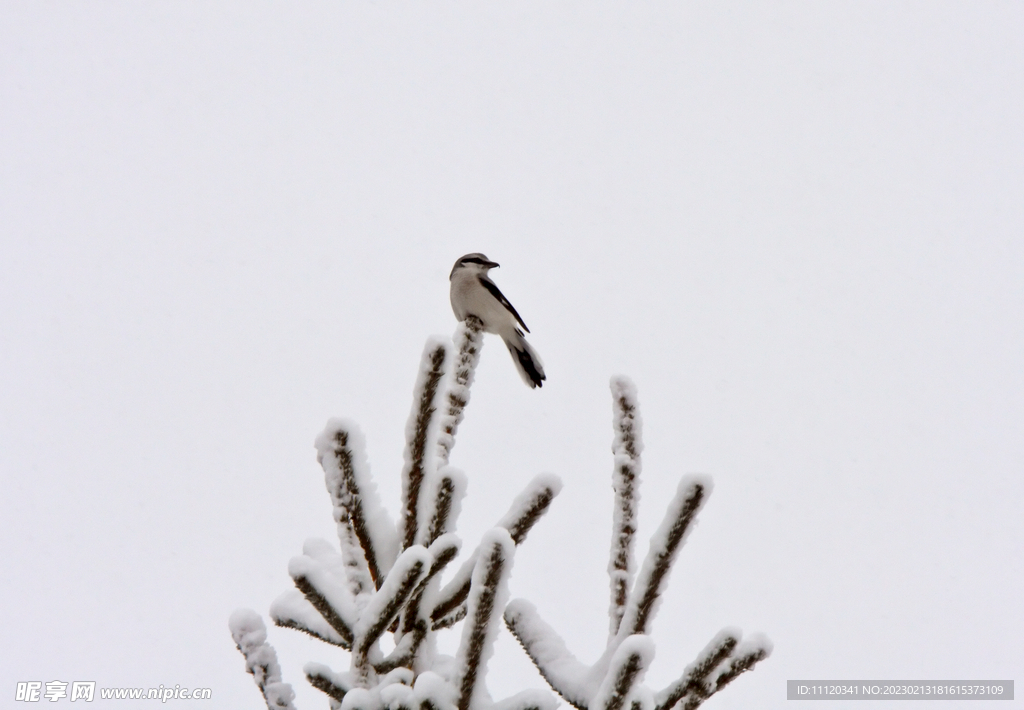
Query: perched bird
[473, 293]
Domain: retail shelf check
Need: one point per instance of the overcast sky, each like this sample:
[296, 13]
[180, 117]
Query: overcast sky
[796, 226]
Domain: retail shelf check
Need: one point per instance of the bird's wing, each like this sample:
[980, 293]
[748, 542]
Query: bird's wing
[490, 286]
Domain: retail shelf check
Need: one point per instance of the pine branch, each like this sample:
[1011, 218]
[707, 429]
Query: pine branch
[618, 671]
[746, 656]
[341, 453]
[690, 497]
[525, 511]
[556, 664]
[324, 679]
[250, 636]
[696, 673]
[449, 488]
[490, 593]
[627, 667]
[469, 339]
[444, 550]
[627, 446]
[530, 505]
[325, 595]
[426, 401]
[293, 611]
[408, 572]
[414, 624]
[357, 573]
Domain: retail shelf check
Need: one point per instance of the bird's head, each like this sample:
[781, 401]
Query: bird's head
[475, 261]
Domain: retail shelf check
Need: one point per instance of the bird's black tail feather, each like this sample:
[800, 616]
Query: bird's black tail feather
[527, 362]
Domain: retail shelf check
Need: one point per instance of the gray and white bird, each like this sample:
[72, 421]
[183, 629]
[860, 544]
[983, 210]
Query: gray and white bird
[473, 293]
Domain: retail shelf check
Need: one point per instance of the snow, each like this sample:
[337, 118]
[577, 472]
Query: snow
[291, 609]
[548, 651]
[525, 510]
[433, 689]
[421, 431]
[691, 494]
[250, 635]
[361, 699]
[487, 598]
[341, 450]
[627, 445]
[626, 670]
[469, 339]
[327, 585]
[528, 506]
[527, 700]
[447, 486]
[410, 567]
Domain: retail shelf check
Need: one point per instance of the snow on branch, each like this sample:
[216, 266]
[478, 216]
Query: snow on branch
[489, 594]
[525, 511]
[448, 490]
[716, 666]
[293, 610]
[747, 654]
[341, 452]
[527, 700]
[383, 608]
[614, 680]
[469, 339]
[627, 446]
[250, 636]
[566, 675]
[418, 432]
[386, 577]
[627, 668]
[691, 495]
[530, 505]
[336, 685]
[326, 594]
[693, 680]
[415, 623]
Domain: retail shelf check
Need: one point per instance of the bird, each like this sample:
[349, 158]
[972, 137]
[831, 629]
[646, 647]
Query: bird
[473, 293]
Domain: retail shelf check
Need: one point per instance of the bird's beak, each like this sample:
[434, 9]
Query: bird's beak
[492, 264]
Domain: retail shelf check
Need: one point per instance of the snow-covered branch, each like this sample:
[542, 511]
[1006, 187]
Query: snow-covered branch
[409, 570]
[469, 339]
[489, 594]
[643, 602]
[525, 511]
[694, 676]
[626, 669]
[718, 664]
[627, 446]
[418, 432]
[326, 594]
[341, 452]
[385, 577]
[613, 681]
[250, 636]
[449, 488]
[293, 610]
[336, 685]
[558, 666]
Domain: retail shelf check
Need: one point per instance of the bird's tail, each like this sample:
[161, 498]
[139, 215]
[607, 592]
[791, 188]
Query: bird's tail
[527, 361]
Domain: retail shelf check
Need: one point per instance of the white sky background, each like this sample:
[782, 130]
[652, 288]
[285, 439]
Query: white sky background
[796, 226]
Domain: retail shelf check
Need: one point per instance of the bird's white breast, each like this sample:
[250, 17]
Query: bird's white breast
[468, 296]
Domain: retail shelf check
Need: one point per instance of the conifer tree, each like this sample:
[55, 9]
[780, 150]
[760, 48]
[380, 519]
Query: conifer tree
[383, 576]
